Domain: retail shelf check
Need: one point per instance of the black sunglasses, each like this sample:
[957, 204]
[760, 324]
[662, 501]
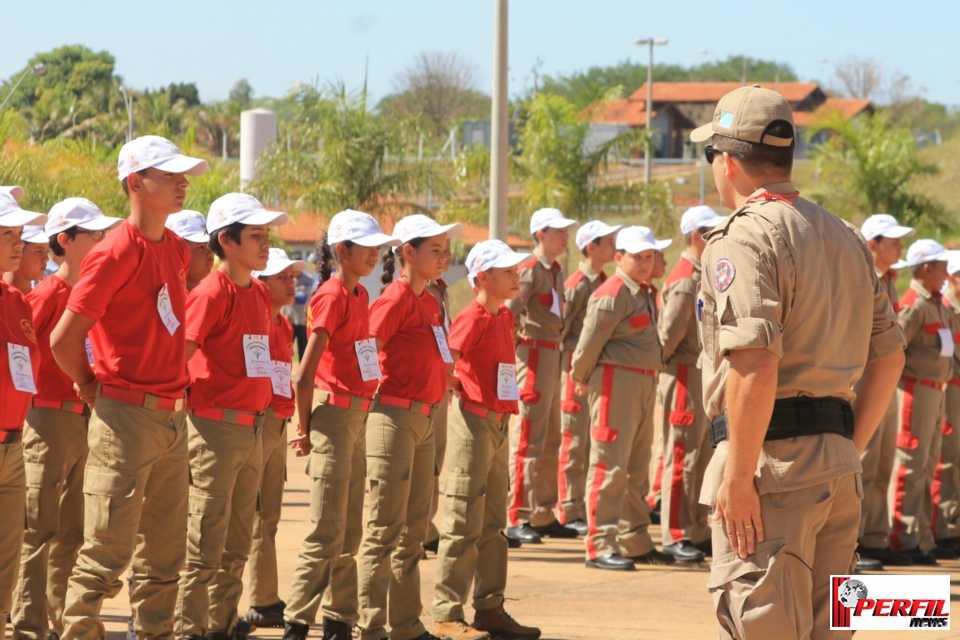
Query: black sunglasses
[710, 153]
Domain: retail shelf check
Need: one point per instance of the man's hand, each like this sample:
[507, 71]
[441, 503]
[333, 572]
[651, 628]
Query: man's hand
[581, 388]
[301, 444]
[87, 392]
[738, 505]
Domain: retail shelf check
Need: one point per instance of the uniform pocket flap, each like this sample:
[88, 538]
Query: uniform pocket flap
[322, 465]
[383, 468]
[202, 502]
[100, 481]
[42, 476]
[730, 566]
[464, 485]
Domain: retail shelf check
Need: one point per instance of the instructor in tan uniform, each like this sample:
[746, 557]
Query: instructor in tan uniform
[801, 353]
[947, 478]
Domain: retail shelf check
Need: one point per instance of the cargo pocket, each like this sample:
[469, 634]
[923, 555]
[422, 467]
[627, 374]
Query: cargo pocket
[753, 596]
[603, 434]
[108, 494]
[330, 479]
[463, 492]
[206, 525]
[384, 474]
[43, 497]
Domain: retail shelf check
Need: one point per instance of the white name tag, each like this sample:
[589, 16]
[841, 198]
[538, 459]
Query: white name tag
[165, 309]
[280, 378]
[442, 344]
[369, 359]
[946, 342]
[86, 343]
[256, 355]
[555, 305]
[507, 382]
[21, 369]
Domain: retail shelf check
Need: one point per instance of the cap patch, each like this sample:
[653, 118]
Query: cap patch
[723, 274]
[726, 119]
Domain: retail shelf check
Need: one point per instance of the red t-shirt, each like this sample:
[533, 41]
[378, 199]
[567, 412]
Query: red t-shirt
[345, 316]
[219, 314]
[410, 360]
[120, 283]
[281, 350]
[49, 300]
[484, 341]
[17, 328]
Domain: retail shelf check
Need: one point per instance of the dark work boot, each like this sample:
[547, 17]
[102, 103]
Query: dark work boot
[336, 630]
[295, 631]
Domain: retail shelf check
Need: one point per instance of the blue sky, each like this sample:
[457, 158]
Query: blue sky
[276, 43]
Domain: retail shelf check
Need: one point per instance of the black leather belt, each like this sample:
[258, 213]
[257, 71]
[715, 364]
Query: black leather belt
[9, 437]
[793, 417]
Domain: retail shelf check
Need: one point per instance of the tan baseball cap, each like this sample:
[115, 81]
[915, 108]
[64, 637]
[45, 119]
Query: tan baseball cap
[744, 114]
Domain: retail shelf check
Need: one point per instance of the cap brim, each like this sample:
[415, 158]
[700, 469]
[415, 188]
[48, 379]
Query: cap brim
[22, 218]
[897, 232]
[274, 268]
[639, 247]
[510, 260]
[197, 237]
[663, 244]
[377, 240]
[184, 164]
[559, 224]
[16, 192]
[702, 133]
[900, 264]
[100, 223]
[269, 218]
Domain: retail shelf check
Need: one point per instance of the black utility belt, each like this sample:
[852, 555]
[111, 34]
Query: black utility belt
[793, 417]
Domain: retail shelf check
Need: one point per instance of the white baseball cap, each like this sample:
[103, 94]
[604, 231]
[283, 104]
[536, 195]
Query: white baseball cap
[923, 251]
[157, 152]
[243, 208]
[543, 218]
[421, 226]
[491, 254]
[699, 217]
[189, 225]
[590, 231]
[77, 212]
[884, 225]
[16, 192]
[34, 234]
[953, 262]
[637, 239]
[277, 261]
[358, 227]
[11, 215]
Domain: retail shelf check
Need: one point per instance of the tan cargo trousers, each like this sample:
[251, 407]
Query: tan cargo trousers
[326, 573]
[621, 439]
[262, 565]
[13, 492]
[440, 420]
[877, 463]
[472, 551]
[225, 464]
[686, 451]
[135, 492]
[574, 448]
[401, 467]
[535, 438]
[54, 454]
[946, 481]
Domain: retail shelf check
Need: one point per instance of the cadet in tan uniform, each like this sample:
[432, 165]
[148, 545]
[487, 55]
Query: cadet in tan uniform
[884, 237]
[683, 424]
[617, 360]
[535, 433]
[947, 479]
[926, 324]
[597, 243]
[795, 327]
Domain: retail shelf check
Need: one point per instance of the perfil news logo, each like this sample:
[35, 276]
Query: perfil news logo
[890, 602]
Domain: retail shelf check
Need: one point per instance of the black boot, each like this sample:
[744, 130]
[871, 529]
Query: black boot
[336, 630]
[295, 631]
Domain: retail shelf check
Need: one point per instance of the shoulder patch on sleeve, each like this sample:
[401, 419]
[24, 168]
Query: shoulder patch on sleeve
[724, 273]
[604, 319]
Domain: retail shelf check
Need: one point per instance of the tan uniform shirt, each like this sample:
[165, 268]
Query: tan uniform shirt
[538, 306]
[954, 311]
[577, 290]
[678, 318]
[620, 329]
[922, 317]
[800, 282]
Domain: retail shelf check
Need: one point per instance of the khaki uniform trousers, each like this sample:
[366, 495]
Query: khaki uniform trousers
[326, 573]
[535, 438]
[687, 452]
[440, 419]
[262, 565]
[621, 439]
[54, 454]
[877, 463]
[472, 551]
[401, 466]
[918, 451]
[574, 448]
[782, 590]
[226, 460]
[13, 492]
[135, 492]
[946, 482]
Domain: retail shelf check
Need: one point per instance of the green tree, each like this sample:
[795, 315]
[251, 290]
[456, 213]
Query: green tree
[241, 95]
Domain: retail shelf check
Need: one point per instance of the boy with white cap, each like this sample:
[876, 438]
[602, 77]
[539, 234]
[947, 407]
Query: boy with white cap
[535, 434]
[884, 236]
[947, 498]
[33, 263]
[228, 324]
[131, 300]
[266, 607]
[471, 549]
[15, 392]
[929, 356]
[55, 434]
[192, 227]
[596, 241]
[616, 361]
[683, 426]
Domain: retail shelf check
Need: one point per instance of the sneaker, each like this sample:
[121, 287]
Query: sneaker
[501, 625]
[295, 631]
[336, 630]
[458, 630]
[654, 557]
[270, 616]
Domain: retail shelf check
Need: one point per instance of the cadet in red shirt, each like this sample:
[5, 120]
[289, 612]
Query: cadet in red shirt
[192, 227]
[341, 361]
[401, 458]
[55, 436]
[17, 385]
[228, 354]
[131, 301]
[33, 263]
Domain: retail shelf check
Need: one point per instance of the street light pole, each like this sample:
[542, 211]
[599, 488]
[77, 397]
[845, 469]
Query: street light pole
[38, 70]
[646, 152]
[128, 103]
[499, 143]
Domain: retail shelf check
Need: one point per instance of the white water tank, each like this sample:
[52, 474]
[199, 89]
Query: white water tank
[258, 128]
